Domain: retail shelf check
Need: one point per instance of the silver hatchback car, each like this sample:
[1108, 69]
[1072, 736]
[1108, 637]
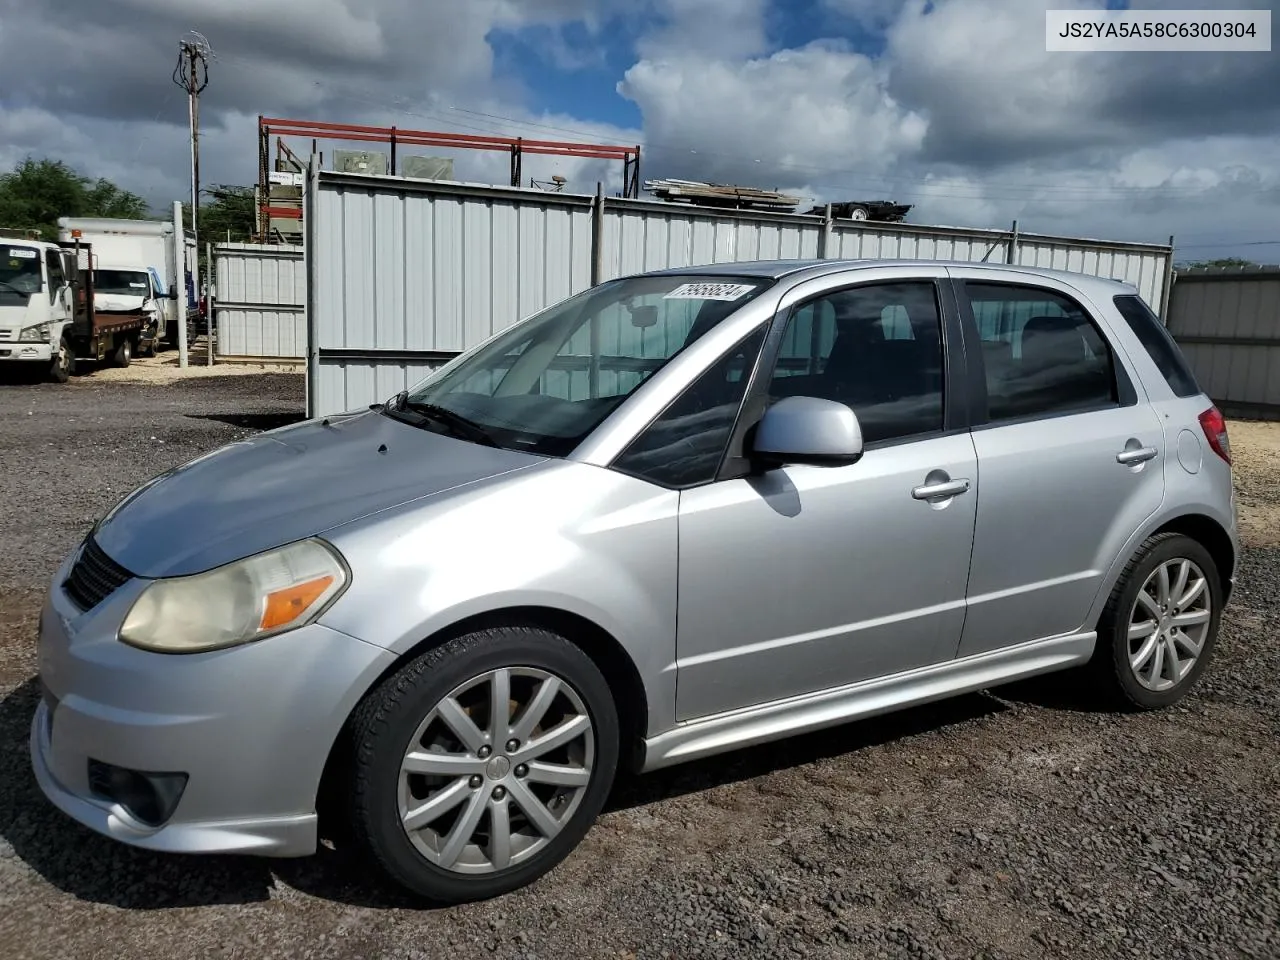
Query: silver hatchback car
[676, 514]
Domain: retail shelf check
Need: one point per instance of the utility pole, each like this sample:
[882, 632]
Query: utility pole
[192, 75]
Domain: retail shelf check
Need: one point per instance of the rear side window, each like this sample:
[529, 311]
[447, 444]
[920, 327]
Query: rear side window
[1042, 353]
[1160, 345]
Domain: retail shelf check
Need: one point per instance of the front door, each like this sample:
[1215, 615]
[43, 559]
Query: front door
[1070, 458]
[805, 578]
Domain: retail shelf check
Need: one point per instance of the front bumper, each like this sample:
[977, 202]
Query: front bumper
[36, 352]
[251, 726]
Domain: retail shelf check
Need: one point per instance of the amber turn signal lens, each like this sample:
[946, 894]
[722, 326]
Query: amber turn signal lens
[286, 605]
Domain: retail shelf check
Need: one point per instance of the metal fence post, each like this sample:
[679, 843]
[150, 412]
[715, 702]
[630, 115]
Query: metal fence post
[1012, 256]
[1167, 292]
[208, 302]
[597, 235]
[180, 279]
[310, 200]
[824, 238]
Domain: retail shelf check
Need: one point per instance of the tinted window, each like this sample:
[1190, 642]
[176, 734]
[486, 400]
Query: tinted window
[1042, 353]
[1160, 345]
[544, 384]
[685, 445]
[877, 348]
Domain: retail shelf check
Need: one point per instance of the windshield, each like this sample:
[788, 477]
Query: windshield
[549, 381]
[19, 273]
[128, 283]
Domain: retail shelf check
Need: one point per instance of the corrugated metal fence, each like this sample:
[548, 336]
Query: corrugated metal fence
[1227, 322]
[259, 304]
[405, 274]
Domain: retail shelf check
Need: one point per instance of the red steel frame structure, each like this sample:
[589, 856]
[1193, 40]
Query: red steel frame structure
[398, 136]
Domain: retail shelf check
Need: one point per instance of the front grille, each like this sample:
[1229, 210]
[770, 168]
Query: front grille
[94, 576]
[8, 335]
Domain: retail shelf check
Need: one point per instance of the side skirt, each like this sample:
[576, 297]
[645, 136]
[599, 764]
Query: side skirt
[784, 718]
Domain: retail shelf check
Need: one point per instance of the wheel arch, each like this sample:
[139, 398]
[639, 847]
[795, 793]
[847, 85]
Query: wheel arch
[609, 656]
[1194, 523]
[1213, 537]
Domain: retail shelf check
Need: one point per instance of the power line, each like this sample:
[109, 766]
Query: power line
[1242, 243]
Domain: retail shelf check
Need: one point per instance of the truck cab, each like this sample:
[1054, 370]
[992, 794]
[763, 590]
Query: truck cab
[35, 307]
[120, 290]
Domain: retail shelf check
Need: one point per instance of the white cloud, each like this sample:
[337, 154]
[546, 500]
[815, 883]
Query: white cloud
[821, 109]
[962, 112]
[705, 30]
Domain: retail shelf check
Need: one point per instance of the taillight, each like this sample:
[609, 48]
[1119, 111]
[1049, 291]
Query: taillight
[1215, 431]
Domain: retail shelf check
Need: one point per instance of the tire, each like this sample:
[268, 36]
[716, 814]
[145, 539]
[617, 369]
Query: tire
[1118, 661]
[859, 213]
[123, 354]
[428, 857]
[64, 362]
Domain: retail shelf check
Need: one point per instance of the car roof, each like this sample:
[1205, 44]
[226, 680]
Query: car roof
[803, 269]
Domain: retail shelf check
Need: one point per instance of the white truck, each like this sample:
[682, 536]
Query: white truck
[48, 318]
[133, 269]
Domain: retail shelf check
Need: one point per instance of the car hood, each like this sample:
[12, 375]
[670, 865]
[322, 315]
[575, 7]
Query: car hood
[117, 302]
[285, 485]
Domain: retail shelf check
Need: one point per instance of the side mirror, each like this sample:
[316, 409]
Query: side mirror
[172, 294]
[808, 430]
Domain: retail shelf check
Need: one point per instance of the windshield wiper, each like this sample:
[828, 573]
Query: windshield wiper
[457, 424]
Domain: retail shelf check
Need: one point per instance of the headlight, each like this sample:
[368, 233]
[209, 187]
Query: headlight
[38, 332]
[242, 601]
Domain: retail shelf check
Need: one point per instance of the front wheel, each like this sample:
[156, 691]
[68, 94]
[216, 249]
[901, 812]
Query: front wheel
[480, 765]
[1160, 625]
[64, 362]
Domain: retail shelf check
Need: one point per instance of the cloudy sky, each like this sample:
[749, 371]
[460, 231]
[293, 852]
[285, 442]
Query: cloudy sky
[952, 105]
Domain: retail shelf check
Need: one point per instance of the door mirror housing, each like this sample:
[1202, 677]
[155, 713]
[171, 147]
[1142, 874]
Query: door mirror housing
[807, 430]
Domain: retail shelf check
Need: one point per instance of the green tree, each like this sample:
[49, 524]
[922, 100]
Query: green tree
[1220, 262]
[229, 215]
[37, 192]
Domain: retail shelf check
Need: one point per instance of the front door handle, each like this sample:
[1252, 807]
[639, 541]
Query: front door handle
[1138, 455]
[937, 491]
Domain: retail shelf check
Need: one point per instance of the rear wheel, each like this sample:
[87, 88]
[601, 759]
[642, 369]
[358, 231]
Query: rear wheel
[64, 362]
[124, 353]
[481, 765]
[1160, 625]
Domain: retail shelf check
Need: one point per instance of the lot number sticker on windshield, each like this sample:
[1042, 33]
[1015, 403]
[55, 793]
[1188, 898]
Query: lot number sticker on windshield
[709, 291]
[20, 252]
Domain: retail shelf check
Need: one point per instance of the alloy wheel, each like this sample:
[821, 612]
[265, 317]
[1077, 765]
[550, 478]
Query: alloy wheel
[1169, 624]
[496, 770]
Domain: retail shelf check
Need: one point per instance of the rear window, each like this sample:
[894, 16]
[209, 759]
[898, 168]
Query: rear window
[1162, 349]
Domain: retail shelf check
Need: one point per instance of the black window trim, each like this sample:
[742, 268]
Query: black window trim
[1125, 391]
[956, 417]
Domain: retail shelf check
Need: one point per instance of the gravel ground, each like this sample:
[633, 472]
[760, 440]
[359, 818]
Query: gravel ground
[1023, 823]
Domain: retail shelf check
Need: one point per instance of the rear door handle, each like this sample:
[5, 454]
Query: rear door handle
[1140, 455]
[936, 491]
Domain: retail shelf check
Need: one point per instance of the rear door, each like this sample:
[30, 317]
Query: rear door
[1069, 451]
